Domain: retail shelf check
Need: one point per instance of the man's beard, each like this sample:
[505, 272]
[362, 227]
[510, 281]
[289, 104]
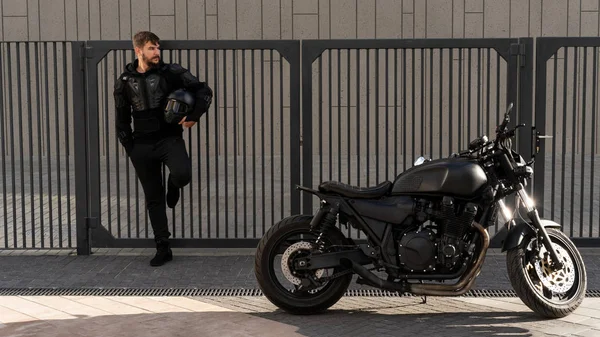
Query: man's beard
[148, 61]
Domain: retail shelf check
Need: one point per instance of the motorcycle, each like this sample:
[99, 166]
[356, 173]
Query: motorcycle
[425, 228]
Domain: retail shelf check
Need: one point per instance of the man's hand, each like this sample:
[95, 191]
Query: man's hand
[186, 124]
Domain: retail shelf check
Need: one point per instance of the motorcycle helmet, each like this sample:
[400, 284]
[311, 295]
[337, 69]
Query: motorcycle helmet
[180, 103]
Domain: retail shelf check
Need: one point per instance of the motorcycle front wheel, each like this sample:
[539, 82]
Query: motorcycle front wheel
[281, 283]
[550, 294]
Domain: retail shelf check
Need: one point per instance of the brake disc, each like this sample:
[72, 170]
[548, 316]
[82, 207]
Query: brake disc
[285, 261]
[559, 281]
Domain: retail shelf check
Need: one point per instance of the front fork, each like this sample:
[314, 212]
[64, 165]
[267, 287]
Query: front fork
[534, 216]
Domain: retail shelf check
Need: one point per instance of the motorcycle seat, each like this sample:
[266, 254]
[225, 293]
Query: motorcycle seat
[354, 191]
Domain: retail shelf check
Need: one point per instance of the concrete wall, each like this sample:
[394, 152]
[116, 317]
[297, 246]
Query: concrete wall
[44, 20]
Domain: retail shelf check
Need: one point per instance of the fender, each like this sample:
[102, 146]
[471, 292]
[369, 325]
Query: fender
[515, 236]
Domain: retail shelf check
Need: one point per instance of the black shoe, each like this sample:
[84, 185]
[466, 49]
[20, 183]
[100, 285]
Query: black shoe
[172, 195]
[163, 254]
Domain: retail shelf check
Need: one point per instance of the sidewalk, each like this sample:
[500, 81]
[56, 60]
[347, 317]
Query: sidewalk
[74, 316]
[190, 269]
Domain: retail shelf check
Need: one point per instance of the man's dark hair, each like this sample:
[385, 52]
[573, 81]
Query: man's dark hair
[141, 38]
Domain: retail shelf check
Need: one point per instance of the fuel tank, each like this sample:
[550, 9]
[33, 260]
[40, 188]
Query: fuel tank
[447, 176]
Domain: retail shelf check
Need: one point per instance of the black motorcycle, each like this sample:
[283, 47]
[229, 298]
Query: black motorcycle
[426, 228]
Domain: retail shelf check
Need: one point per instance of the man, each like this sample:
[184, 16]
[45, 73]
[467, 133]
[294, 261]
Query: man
[141, 92]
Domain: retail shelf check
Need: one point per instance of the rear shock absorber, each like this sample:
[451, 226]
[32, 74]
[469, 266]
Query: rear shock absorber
[328, 221]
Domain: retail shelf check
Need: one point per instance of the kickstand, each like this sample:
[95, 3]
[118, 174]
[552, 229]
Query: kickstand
[424, 299]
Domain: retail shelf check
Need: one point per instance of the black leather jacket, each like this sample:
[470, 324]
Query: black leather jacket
[143, 97]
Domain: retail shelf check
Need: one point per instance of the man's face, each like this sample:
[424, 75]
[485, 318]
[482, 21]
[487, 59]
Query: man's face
[149, 54]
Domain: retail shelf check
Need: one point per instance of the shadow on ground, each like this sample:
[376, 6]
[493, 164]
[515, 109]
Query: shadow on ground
[365, 322]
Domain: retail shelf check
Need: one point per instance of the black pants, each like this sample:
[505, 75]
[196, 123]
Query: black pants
[147, 158]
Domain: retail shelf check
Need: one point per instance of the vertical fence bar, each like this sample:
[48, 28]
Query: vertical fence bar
[358, 173]
[199, 165]
[3, 145]
[339, 111]
[107, 144]
[308, 56]
[191, 150]
[413, 134]
[387, 112]
[487, 96]
[12, 147]
[348, 94]
[593, 150]
[423, 94]
[21, 158]
[541, 172]
[450, 106]
[271, 133]
[469, 103]
[368, 135]
[573, 137]
[206, 76]
[235, 141]
[67, 143]
[225, 151]
[127, 175]
[441, 101]
[57, 140]
[460, 97]
[478, 109]
[262, 134]
[245, 139]
[404, 135]
[376, 115]
[253, 147]
[348, 139]
[583, 141]
[30, 131]
[282, 144]
[564, 138]
[431, 102]
[395, 111]
[38, 53]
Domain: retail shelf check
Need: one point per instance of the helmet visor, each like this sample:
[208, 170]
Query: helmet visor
[175, 106]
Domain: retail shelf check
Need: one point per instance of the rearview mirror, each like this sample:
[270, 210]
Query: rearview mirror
[510, 107]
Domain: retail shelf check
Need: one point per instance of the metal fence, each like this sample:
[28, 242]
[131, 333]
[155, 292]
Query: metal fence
[36, 145]
[369, 108]
[245, 150]
[567, 170]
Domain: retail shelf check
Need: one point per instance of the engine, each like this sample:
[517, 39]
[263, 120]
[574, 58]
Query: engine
[440, 245]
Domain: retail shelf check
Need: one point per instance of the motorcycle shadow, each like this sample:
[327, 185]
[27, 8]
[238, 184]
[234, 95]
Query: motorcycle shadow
[433, 318]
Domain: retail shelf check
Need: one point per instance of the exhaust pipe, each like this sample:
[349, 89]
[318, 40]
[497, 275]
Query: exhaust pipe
[457, 289]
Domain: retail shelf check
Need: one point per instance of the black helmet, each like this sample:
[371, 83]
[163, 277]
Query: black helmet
[180, 103]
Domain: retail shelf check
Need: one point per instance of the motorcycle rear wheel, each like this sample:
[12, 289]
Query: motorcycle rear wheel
[289, 300]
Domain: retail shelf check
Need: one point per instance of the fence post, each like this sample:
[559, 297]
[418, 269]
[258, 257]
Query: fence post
[525, 99]
[81, 156]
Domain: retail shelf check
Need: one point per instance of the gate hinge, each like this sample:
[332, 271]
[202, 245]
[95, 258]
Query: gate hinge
[518, 49]
[91, 222]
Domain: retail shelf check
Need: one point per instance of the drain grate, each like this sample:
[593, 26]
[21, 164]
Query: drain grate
[224, 292]
[128, 292]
